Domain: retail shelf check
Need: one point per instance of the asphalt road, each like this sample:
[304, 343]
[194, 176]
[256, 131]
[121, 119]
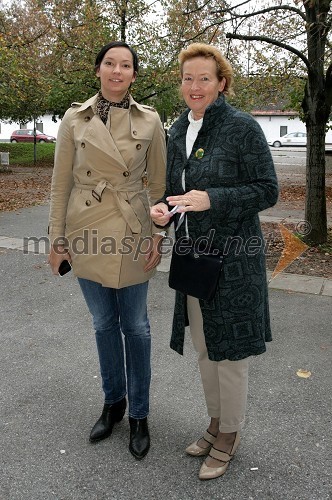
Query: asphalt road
[290, 165]
[283, 159]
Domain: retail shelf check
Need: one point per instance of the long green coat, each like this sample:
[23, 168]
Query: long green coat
[237, 171]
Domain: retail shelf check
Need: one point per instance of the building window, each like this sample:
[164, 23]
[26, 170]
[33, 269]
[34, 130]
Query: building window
[40, 126]
[283, 130]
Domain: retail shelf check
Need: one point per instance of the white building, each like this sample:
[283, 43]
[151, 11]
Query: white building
[277, 123]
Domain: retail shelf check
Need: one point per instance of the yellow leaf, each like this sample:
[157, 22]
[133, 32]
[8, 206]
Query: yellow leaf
[303, 373]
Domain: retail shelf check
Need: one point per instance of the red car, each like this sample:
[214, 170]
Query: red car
[26, 135]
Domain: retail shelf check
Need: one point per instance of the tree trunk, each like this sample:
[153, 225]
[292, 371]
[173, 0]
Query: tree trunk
[123, 22]
[316, 111]
[315, 203]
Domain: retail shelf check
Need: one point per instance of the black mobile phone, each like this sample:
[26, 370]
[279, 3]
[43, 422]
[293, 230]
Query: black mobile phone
[64, 267]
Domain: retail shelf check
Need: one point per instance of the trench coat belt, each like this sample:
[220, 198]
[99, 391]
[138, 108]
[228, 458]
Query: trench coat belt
[124, 206]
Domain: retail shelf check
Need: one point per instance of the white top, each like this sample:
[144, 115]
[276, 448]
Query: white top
[192, 132]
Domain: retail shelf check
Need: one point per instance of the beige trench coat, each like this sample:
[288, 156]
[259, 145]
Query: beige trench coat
[101, 191]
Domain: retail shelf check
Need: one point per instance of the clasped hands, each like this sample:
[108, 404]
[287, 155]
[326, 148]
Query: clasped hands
[192, 201]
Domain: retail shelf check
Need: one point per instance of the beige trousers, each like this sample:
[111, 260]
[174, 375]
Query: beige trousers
[225, 383]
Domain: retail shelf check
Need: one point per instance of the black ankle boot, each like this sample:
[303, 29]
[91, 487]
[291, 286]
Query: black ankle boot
[110, 415]
[139, 437]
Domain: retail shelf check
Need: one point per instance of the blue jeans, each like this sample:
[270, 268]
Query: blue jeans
[124, 367]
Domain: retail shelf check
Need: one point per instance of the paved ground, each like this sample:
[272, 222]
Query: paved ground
[50, 395]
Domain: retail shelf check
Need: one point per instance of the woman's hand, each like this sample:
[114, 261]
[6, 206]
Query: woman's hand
[57, 254]
[153, 258]
[159, 214]
[193, 201]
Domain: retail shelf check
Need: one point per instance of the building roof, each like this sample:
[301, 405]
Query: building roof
[278, 112]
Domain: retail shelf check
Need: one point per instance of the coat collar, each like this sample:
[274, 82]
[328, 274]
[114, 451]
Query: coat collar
[93, 101]
[98, 135]
[211, 115]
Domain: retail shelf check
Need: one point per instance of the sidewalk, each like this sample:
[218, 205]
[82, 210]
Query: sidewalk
[32, 222]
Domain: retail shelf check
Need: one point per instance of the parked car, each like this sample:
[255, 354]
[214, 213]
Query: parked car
[291, 139]
[26, 135]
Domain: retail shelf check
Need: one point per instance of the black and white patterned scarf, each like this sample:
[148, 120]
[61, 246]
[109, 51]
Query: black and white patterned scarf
[103, 105]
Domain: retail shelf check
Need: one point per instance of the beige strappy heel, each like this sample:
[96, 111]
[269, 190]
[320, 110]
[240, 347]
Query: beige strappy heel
[213, 472]
[197, 451]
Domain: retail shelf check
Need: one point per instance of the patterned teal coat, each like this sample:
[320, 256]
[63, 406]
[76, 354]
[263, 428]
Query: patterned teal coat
[237, 171]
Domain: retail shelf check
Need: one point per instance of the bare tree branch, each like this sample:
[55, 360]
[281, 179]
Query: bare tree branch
[263, 11]
[26, 43]
[225, 10]
[194, 11]
[272, 42]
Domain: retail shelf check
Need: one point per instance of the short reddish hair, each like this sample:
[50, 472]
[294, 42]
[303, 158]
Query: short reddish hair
[223, 66]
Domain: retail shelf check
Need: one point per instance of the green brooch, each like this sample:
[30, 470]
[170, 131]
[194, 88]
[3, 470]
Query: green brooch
[199, 153]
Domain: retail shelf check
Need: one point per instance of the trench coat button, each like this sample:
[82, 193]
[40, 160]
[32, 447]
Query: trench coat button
[88, 203]
[88, 173]
[126, 173]
[134, 132]
[138, 146]
[83, 145]
[87, 118]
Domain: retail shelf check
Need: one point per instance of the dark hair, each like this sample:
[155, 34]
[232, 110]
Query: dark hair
[111, 45]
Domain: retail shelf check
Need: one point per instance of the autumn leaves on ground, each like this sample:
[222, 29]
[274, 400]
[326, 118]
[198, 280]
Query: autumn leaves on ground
[27, 186]
[24, 187]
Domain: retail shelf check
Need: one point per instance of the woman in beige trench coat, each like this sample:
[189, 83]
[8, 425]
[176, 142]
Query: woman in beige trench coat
[109, 168]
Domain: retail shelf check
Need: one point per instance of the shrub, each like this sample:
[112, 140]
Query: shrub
[22, 154]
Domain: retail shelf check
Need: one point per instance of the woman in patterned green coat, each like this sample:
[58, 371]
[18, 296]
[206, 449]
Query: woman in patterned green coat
[221, 175]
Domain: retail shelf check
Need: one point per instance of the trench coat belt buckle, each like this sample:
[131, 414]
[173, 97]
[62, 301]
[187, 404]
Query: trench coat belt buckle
[97, 192]
[126, 210]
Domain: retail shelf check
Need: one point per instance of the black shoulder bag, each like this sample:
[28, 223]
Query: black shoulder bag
[195, 269]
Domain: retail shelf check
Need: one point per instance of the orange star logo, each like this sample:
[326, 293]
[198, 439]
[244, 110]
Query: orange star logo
[293, 248]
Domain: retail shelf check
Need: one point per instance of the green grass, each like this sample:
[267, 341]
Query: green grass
[22, 154]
